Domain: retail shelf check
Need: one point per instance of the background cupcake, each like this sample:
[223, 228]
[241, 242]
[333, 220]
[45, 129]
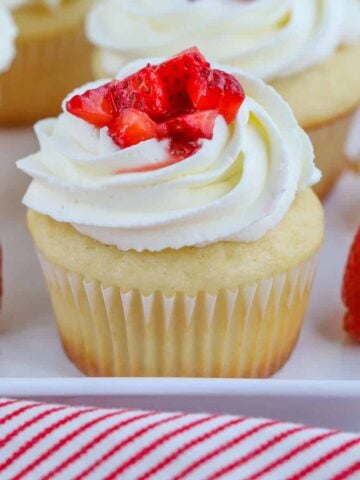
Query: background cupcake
[175, 223]
[353, 144]
[8, 32]
[52, 57]
[309, 50]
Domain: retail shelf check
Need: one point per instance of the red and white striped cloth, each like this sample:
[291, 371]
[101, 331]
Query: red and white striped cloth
[56, 442]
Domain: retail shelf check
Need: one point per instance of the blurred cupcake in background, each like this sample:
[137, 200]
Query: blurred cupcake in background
[174, 218]
[8, 32]
[52, 57]
[308, 50]
[353, 144]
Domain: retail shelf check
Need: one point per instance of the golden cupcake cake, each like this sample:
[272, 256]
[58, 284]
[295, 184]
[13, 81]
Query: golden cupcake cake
[52, 57]
[174, 219]
[309, 50]
[353, 144]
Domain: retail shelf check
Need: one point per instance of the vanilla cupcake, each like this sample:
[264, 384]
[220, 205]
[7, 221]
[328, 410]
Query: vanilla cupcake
[353, 144]
[52, 57]
[308, 50]
[173, 216]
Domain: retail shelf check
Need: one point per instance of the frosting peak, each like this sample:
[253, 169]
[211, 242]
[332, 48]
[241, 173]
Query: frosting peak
[237, 186]
[268, 38]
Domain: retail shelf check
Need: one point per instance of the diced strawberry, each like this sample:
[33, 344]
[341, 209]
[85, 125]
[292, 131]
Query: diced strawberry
[175, 74]
[143, 91]
[95, 106]
[191, 56]
[185, 132]
[190, 127]
[180, 149]
[131, 127]
[177, 100]
[215, 89]
[351, 290]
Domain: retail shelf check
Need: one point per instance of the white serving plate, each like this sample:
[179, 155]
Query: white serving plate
[324, 364]
[329, 404]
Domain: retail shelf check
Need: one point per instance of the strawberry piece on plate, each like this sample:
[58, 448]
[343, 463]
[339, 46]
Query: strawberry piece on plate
[95, 106]
[215, 89]
[131, 127]
[351, 291]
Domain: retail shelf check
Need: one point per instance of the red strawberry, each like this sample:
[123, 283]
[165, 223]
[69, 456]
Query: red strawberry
[131, 127]
[178, 100]
[95, 106]
[143, 91]
[185, 131]
[351, 290]
[190, 127]
[175, 74]
[214, 89]
[179, 149]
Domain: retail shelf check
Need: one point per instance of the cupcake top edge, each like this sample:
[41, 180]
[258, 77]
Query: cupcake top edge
[268, 38]
[170, 154]
[8, 33]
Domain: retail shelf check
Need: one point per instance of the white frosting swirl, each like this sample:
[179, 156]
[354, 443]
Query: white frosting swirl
[13, 4]
[8, 32]
[268, 38]
[238, 186]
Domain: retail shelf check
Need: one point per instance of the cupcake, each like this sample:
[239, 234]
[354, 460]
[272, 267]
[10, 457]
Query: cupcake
[309, 51]
[172, 212]
[52, 58]
[353, 144]
[8, 33]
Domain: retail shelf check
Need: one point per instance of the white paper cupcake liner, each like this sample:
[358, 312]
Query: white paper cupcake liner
[246, 332]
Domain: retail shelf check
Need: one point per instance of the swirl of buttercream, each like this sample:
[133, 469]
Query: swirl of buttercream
[268, 38]
[236, 187]
[8, 32]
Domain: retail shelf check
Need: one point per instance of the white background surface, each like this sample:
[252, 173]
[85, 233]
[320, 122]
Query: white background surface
[29, 346]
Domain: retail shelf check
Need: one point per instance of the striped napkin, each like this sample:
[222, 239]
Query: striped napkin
[57, 442]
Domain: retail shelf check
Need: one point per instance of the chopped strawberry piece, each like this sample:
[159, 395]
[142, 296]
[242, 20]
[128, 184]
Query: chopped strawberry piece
[175, 75]
[215, 89]
[177, 100]
[180, 149]
[95, 106]
[192, 126]
[143, 91]
[192, 56]
[351, 290]
[131, 127]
